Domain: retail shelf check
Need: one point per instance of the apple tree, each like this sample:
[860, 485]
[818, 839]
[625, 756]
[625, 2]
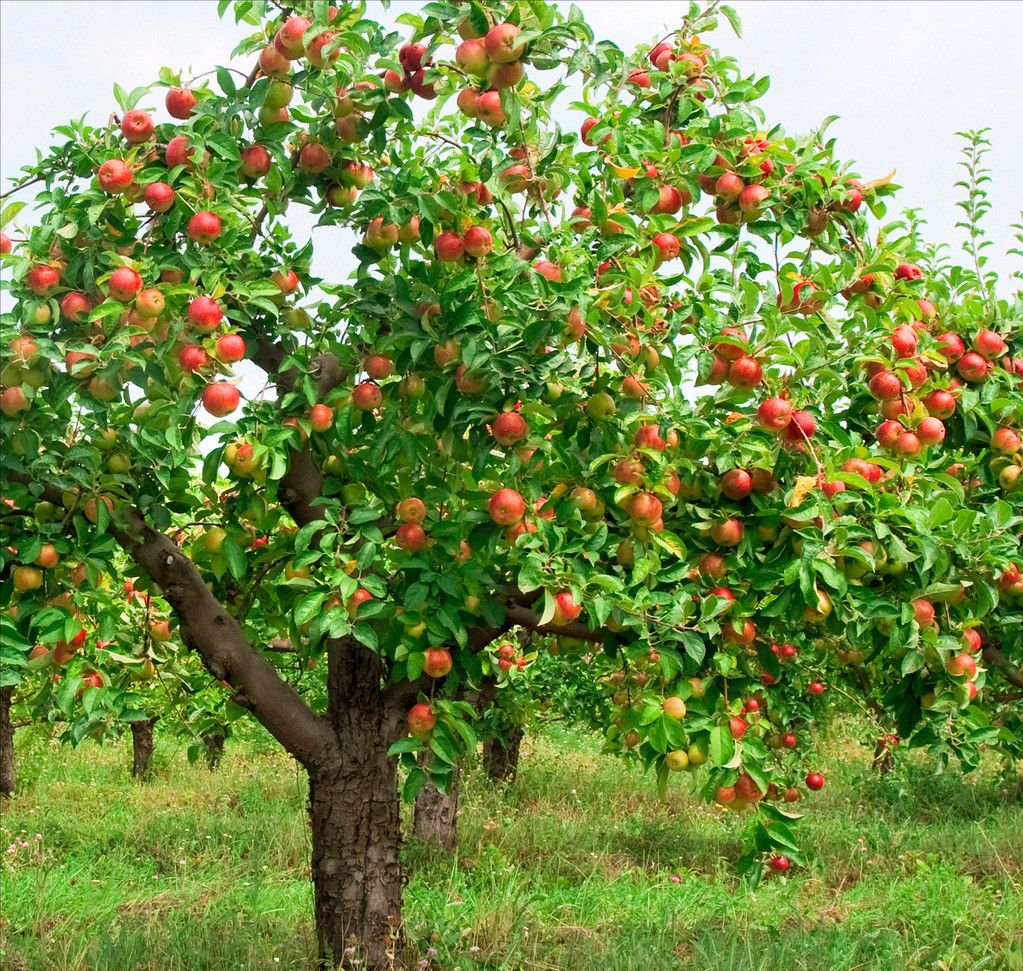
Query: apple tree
[621, 386]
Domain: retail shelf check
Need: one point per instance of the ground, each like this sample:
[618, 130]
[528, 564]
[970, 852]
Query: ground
[576, 867]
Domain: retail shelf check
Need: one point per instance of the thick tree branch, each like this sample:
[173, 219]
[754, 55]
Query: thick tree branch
[996, 659]
[208, 628]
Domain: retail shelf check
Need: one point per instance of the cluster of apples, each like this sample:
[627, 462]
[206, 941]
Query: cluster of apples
[491, 61]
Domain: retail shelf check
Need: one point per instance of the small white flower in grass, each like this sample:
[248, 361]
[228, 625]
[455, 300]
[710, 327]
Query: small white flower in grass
[431, 952]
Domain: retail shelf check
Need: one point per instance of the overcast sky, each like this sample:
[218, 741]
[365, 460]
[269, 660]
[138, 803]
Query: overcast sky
[903, 76]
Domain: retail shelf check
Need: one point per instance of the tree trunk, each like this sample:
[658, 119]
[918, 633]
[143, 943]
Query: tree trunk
[436, 814]
[141, 747]
[501, 756]
[6, 742]
[213, 745]
[354, 811]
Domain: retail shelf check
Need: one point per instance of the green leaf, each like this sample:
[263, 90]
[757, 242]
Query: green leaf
[235, 557]
[733, 18]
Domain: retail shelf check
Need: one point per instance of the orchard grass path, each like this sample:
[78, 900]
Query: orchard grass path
[575, 867]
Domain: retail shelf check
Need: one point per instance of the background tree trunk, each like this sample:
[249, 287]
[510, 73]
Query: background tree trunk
[6, 742]
[436, 815]
[141, 747]
[501, 756]
[213, 746]
[883, 760]
[354, 811]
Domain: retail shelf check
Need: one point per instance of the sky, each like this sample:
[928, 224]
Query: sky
[902, 75]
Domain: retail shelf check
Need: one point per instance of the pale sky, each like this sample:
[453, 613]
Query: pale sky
[903, 76]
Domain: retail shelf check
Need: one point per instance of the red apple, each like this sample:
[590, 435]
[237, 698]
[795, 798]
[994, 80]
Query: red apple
[220, 398]
[506, 507]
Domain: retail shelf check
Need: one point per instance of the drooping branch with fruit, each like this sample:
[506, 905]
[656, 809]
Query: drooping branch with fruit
[670, 387]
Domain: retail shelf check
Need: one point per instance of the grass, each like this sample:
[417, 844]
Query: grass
[576, 867]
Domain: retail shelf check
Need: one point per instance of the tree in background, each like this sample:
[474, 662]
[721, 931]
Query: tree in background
[493, 424]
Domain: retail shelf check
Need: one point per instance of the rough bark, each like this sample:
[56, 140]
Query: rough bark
[355, 818]
[142, 747]
[435, 820]
[6, 742]
[213, 747]
[996, 659]
[501, 756]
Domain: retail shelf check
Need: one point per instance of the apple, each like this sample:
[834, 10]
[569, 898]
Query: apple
[115, 176]
[548, 270]
[931, 431]
[411, 537]
[674, 707]
[908, 271]
[506, 507]
[800, 428]
[205, 314]
[75, 306]
[273, 63]
[471, 56]
[737, 727]
[677, 760]
[180, 102]
[745, 372]
[961, 665]
[774, 414]
[973, 367]
[907, 444]
[814, 781]
[192, 357]
[290, 39]
[411, 510]
[446, 353]
[886, 385]
[137, 126]
[421, 721]
[729, 186]
[477, 241]
[989, 345]
[230, 348]
[367, 396]
[1006, 441]
[566, 609]
[816, 688]
[904, 341]
[780, 864]
[124, 284]
[940, 404]
[315, 51]
[159, 196]
[179, 152]
[505, 75]
[437, 662]
[255, 161]
[645, 509]
[314, 158]
[448, 247]
[378, 367]
[666, 247]
[509, 427]
[752, 199]
[220, 398]
[5, 244]
[278, 95]
[204, 227]
[736, 484]
[972, 640]
[501, 44]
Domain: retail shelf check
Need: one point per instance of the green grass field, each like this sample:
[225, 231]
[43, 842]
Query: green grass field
[576, 867]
